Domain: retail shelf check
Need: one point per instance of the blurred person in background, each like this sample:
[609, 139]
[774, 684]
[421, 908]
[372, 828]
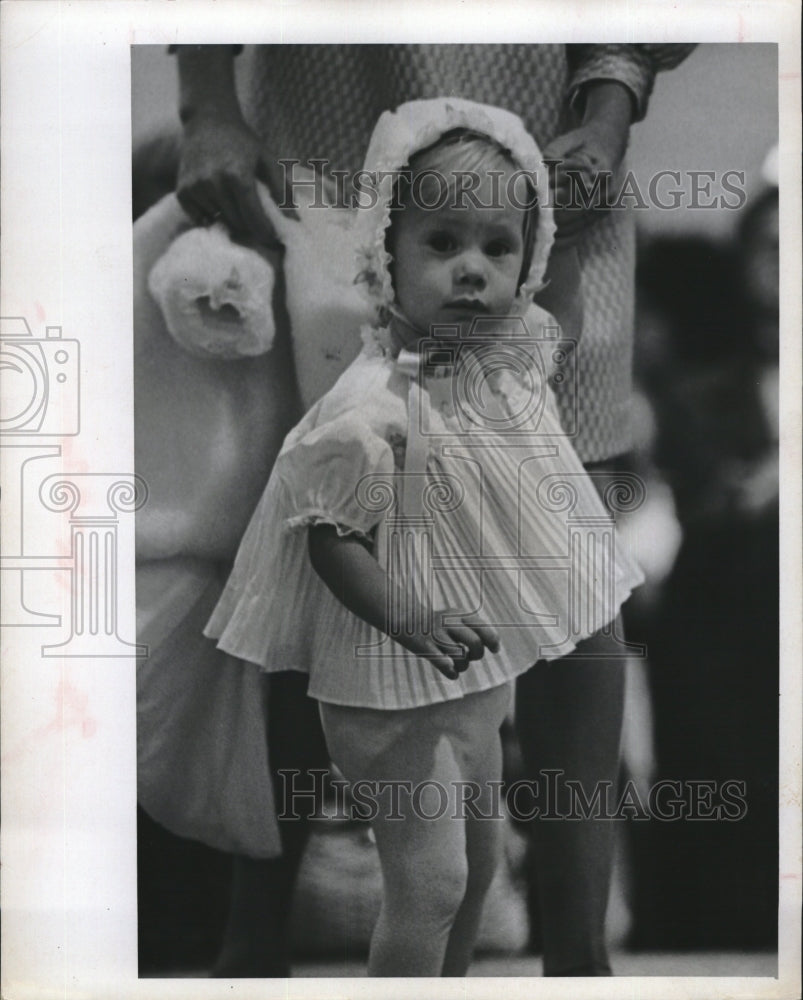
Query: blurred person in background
[708, 362]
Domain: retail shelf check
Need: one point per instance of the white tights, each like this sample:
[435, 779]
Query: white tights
[436, 872]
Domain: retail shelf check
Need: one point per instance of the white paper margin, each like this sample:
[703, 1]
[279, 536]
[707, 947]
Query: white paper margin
[68, 733]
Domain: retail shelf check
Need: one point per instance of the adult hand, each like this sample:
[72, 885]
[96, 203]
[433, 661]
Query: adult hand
[221, 161]
[583, 161]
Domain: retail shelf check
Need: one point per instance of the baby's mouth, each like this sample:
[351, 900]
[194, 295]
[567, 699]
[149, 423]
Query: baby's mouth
[467, 305]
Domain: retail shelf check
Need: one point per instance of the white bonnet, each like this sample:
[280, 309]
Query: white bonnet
[414, 126]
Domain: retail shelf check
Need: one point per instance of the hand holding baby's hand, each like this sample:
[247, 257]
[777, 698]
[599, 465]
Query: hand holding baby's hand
[453, 643]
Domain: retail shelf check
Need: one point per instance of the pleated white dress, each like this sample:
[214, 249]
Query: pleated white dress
[486, 511]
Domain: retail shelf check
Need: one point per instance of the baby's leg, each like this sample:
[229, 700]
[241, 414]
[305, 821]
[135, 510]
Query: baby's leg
[424, 866]
[429, 869]
[425, 874]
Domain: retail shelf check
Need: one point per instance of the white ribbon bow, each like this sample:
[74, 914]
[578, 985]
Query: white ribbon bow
[417, 450]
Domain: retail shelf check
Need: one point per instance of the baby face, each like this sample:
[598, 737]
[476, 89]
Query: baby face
[456, 263]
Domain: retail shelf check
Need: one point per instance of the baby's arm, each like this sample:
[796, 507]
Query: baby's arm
[358, 581]
[562, 296]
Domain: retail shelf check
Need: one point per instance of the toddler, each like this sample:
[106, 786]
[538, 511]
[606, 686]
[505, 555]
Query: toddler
[427, 533]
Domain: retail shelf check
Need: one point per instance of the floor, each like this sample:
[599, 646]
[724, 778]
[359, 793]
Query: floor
[624, 964]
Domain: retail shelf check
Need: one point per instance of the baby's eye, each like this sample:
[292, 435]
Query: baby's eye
[498, 248]
[441, 242]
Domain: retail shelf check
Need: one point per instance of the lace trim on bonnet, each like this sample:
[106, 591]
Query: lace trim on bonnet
[414, 126]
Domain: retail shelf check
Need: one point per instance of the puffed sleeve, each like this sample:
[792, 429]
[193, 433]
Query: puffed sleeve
[324, 476]
[635, 66]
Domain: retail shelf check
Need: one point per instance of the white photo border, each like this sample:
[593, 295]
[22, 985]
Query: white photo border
[69, 888]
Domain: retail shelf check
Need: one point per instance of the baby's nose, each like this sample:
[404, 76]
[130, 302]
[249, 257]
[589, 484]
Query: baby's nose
[470, 271]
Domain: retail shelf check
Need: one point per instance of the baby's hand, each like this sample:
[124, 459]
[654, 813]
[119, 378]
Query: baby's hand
[451, 647]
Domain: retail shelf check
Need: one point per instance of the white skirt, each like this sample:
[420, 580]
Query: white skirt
[505, 530]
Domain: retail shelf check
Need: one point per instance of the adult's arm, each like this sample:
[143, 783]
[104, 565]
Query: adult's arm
[221, 156]
[609, 89]
[634, 67]
[562, 296]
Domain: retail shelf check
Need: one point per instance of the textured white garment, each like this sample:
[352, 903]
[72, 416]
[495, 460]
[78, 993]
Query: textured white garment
[507, 528]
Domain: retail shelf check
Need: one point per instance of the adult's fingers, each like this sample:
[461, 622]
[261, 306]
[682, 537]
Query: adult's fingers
[232, 212]
[572, 223]
[200, 201]
[576, 188]
[255, 222]
[562, 144]
[231, 201]
[269, 172]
